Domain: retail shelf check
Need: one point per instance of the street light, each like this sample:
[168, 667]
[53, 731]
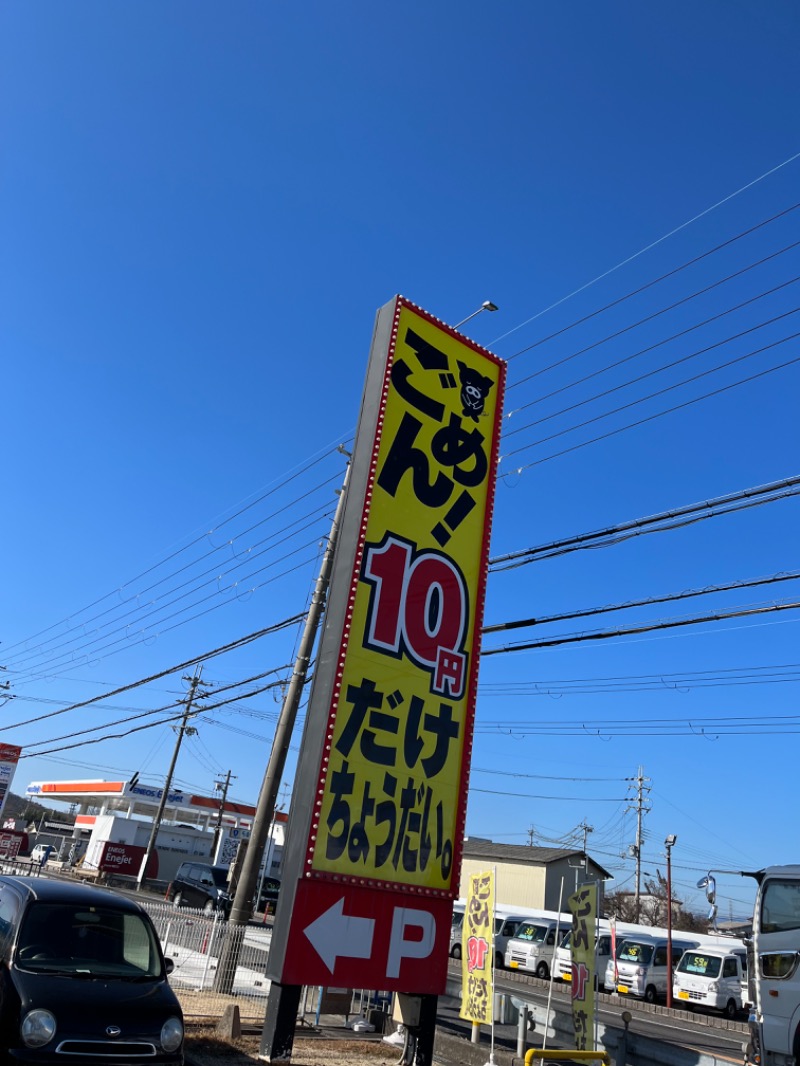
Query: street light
[669, 844]
[487, 305]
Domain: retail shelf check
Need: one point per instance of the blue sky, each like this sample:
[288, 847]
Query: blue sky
[201, 212]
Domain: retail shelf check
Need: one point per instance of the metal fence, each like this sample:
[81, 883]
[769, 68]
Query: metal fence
[196, 942]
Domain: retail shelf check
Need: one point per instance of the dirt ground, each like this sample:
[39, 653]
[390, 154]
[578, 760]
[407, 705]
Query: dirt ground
[204, 1048]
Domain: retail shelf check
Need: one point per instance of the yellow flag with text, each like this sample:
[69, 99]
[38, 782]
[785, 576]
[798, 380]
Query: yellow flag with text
[477, 950]
[583, 907]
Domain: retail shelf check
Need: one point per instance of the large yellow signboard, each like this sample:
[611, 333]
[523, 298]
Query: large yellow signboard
[391, 798]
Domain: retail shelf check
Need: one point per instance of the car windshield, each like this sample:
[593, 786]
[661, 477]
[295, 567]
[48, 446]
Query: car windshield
[695, 962]
[220, 876]
[533, 933]
[631, 951]
[75, 940]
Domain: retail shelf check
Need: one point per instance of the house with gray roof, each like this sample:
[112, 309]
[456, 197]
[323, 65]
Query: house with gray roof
[529, 877]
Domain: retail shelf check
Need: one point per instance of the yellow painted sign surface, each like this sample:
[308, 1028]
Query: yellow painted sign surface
[392, 799]
[583, 907]
[477, 950]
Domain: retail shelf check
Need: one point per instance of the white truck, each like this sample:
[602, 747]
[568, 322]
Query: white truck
[712, 976]
[774, 969]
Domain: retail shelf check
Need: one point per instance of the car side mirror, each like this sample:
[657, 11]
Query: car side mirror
[169, 966]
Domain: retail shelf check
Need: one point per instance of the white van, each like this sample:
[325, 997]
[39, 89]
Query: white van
[711, 977]
[534, 944]
[604, 942]
[642, 966]
[562, 961]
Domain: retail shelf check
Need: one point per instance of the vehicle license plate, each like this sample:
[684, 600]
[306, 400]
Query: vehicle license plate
[514, 964]
[622, 988]
[567, 975]
[683, 994]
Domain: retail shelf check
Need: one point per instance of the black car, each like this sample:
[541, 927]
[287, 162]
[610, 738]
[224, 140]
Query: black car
[82, 977]
[198, 885]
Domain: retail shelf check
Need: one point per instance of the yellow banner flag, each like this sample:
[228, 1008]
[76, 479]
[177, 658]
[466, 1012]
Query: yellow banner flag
[583, 907]
[477, 950]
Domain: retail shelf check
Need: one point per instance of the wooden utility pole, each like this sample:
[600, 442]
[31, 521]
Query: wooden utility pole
[242, 909]
[218, 827]
[182, 730]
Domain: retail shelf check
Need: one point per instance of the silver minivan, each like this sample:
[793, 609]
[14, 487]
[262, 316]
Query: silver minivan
[641, 966]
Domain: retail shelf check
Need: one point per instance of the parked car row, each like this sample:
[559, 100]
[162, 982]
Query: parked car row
[707, 971]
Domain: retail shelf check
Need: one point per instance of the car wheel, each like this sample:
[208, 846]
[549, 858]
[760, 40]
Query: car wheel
[177, 899]
[650, 994]
[542, 971]
[731, 1010]
[499, 961]
[456, 952]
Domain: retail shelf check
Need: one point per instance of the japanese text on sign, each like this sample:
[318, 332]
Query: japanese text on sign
[392, 788]
[583, 907]
[477, 950]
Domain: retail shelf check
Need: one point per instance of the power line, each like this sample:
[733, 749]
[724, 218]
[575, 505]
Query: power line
[717, 505]
[144, 636]
[658, 414]
[648, 627]
[197, 540]
[204, 657]
[591, 612]
[30, 653]
[653, 244]
[661, 311]
[648, 374]
[655, 683]
[649, 348]
[666, 389]
[540, 777]
[155, 612]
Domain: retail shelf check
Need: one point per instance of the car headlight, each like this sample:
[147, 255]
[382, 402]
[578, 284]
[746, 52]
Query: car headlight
[171, 1034]
[38, 1028]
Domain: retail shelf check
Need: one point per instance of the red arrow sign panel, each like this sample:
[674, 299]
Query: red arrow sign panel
[345, 936]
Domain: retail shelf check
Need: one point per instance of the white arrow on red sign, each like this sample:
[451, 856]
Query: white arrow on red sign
[338, 935]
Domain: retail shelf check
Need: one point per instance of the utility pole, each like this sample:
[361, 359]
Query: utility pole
[242, 909]
[182, 730]
[637, 847]
[587, 829]
[531, 831]
[224, 785]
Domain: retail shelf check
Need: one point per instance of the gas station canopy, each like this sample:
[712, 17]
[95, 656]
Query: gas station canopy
[141, 800]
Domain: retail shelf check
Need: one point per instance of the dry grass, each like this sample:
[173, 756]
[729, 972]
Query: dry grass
[204, 1048]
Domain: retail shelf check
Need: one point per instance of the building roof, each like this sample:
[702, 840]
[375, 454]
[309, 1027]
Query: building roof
[523, 854]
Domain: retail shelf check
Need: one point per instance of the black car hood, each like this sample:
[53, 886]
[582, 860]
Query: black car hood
[133, 1006]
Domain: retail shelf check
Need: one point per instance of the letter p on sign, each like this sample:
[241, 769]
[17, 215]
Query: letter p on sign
[400, 947]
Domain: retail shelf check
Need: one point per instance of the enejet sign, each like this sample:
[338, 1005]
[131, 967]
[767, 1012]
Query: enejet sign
[373, 849]
[155, 794]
